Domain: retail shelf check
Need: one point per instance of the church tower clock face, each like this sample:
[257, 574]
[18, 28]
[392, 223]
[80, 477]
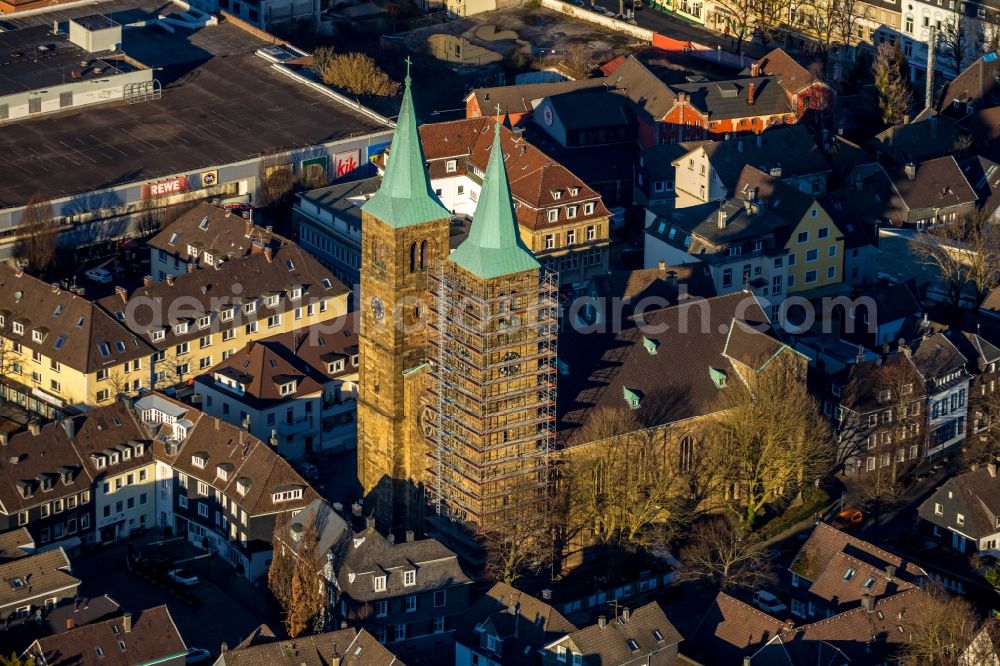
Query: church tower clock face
[378, 308]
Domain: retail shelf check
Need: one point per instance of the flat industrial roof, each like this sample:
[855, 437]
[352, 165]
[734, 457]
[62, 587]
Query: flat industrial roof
[232, 107]
[34, 58]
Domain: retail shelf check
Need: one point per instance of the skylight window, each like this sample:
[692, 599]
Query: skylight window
[103, 348]
[204, 224]
[869, 584]
[173, 238]
[326, 283]
[59, 341]
[120, 346]
[290, 265]
[79, 322]
[58, 311]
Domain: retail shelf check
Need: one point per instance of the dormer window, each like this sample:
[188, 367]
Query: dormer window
[296, 293]
[193, 251]
[181, 328]
[632, 398]
[451, 166]
[204, 322]
[250, 308]
[588, 208]
[379, 583]
[242, 485]
[227, 314]
[38, 335]
[556, 195]
[18, 328]
[286, 495]
[173, 238]
[222, 473]
[553, 214]
[199, 460]
[287, 388]
[410, 578]
[159, 335]
[335, 366]
[272, 301]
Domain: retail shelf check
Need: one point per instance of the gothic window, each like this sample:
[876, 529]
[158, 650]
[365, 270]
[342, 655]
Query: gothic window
[687, 455]
[413, 257]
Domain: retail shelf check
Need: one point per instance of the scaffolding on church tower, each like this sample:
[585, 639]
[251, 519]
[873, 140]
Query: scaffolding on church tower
[494, 368]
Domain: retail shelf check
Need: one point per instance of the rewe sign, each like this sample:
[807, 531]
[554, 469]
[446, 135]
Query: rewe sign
[165, 188]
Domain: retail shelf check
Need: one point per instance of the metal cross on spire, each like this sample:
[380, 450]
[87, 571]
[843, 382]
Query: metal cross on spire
[408, 62]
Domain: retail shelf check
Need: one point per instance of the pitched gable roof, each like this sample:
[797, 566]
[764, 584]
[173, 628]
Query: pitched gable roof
[622, 640]
[791, 76]
[354, 647]
[729, 631]
[211, 229]
[841, 568]
[975, 85]
[29, 577]
[522, 98]
[153, 637]
[975, 495]
[937, 183]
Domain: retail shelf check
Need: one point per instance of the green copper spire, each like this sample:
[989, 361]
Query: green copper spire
[494, 246]
[405, 197]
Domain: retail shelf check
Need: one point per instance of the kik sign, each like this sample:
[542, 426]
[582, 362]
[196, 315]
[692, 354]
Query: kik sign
[165, 188]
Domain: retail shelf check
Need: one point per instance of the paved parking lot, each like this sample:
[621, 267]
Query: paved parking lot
[218, 617]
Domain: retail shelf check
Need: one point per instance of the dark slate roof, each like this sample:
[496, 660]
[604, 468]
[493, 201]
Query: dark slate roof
[935, 355]
[643, 87]
[331, 528]
[589, 109]
[722, 100]
[658, 160]
[860, 382]
[984, 176]
[344, 200]
[646, 631]
[675, 382]
[523, 623]
[976, 84]
[153, 637]
[975, 495]
[918, 141]
[828, 556]
[518, 99]
[845, 156]
[860, 207]
[354, 647]
[937, 183]
[666, 283]
[368, 554]
[791, 149]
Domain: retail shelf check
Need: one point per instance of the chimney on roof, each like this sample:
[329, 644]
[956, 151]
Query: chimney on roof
[868, 602]
[861, 354]
[224, 647]
[602, 621]
[775, 171]
[662, 265]
[147, 280]
[19, 272]
[722, 217]
[170, 280]
[190, 267]
[391, 538]
[905, 348]
[122, 293]
[34, 427]
[910, 170]
[547, 594]
[409, 536]
[3, 439]
[755, 69]
[127, 622]
[248, 229]
[991, 467]
[69, 623]
[751, 90]
[370, 522]
[625, 615]
[269, 254]
[69, 426]
[747, 661]
[890, 572]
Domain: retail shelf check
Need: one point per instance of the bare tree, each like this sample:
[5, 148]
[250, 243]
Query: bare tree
[279, 574]
[939, 629]
[740, 16]
[622, 490]
[723, 551]
[954, 40]
[895, 98]
[356, 73]
[578, 63]
[773, 438]
[768, 16]
[849, 12]
[520, 537]
[966, 253]
[118, 383]
[38, 235]
[983, 444]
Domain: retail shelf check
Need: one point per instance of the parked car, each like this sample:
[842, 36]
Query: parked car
[602, 11]
[769, 603]
[848, 518]
[101, 275]
[183, 577]
[197, 655]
